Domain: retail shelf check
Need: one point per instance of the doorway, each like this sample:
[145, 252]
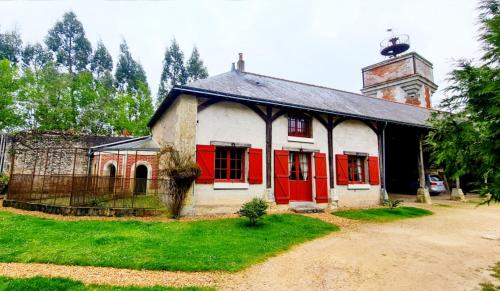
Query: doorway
[299, 168]
[111, 170]
[141, 179]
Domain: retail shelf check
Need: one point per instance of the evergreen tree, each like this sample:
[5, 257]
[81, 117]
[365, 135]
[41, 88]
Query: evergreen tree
[466, 139]
[195, 68]
[68, 41]
[128, 72]
[174, 71]
[101, 61]
[10, 46]
[133, 104]
[35, 56]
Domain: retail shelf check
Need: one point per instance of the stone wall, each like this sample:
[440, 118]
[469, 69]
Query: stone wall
[51, 153]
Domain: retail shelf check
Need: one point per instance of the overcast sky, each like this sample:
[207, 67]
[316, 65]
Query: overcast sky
[320, 42]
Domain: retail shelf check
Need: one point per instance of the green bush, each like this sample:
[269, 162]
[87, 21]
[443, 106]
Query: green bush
[254, 210]
[4, 182]
[392, 203]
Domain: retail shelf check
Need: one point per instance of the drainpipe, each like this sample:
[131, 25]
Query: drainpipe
[385, 197]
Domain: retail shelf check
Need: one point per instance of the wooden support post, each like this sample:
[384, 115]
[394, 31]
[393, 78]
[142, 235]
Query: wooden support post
[73, 178]
[269, 145]
[330, 150]
[12, 161]
[423, 195]
[381, 143]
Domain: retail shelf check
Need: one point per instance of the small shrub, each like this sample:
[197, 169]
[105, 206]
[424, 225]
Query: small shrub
[393, 203]
[97, 203]
[4, 182]
[253, 210]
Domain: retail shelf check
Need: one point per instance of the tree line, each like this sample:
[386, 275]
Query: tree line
[65, 84]
[466, 135]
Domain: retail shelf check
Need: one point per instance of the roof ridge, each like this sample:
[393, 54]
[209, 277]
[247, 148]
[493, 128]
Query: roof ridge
[334, 89]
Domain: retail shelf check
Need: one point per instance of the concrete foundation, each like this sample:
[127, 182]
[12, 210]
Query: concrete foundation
[423, 196]
[457, 194]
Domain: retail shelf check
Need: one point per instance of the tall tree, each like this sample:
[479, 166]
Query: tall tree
[466, 139]
[133, 105]
[35, 56]
[101, 61]
[46, 98]
[195, 68]
[174, 72]
[68, 41]
[128, 72]
[9, 85]
[10, 46]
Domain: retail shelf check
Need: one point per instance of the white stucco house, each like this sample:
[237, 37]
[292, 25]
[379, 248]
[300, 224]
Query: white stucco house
[291, 142]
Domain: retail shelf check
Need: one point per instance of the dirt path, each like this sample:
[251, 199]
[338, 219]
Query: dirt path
[450, 250]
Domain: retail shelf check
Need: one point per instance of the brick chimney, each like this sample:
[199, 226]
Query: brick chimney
[241, 63]
[406, 78]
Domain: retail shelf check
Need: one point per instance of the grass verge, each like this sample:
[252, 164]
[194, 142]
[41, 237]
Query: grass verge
[225, 245]
[383, 214]
[55, 284]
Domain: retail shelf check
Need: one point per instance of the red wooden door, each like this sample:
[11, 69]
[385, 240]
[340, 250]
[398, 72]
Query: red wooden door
[299, 165]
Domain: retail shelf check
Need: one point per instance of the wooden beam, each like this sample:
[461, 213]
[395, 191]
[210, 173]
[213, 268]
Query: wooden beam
[269, 144]
[278, 114]
[257, 110]
[208, 103]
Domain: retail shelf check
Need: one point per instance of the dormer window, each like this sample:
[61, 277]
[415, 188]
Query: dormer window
[299, 125]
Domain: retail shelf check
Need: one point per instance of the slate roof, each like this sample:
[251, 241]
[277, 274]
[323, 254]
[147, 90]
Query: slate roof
[269, 90]
[144, 143]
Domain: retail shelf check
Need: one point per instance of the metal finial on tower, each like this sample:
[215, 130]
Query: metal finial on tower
[395, 44]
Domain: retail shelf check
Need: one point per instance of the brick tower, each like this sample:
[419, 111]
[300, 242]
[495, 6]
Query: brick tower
[405, 78]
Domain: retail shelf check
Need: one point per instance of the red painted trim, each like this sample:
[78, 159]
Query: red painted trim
[228, 166]
[321, 178]
[255, 166]
[281, 182]
[205, 158]
[352, 164]
[373, 170]
[342, 171]
[298, 121]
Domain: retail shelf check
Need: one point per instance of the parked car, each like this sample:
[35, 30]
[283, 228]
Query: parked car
[434, 184]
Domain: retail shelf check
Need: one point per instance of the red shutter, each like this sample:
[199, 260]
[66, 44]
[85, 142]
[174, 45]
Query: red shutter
[373, 170]
[342, 174]
[255, 166]
[281, 183]
[205, 158]
[321, 178]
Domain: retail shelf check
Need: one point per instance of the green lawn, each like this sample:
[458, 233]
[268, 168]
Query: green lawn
[62, 284]
[383, 214]
[227, 244]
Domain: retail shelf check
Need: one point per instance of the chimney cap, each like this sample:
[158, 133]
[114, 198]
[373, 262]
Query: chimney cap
[240, 56]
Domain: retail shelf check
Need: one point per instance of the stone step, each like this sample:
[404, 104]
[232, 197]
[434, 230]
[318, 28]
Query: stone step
[305, 207]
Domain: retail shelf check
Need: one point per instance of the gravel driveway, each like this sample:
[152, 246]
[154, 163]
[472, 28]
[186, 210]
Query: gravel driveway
[450, 250]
